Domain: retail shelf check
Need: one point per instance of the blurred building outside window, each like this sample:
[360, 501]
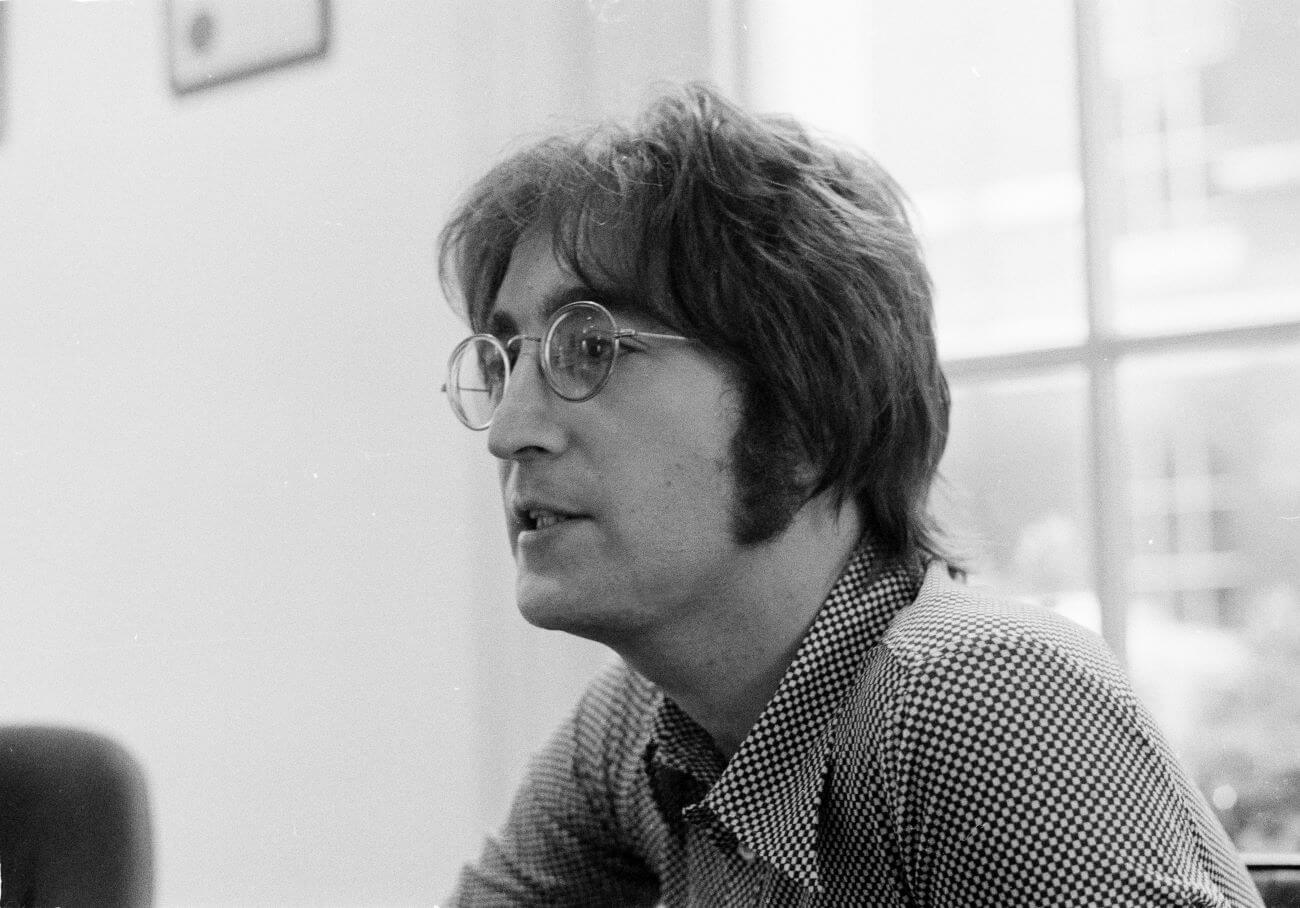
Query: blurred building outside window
[1109, 195]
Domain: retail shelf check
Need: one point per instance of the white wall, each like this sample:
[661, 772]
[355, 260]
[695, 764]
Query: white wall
[239, 532]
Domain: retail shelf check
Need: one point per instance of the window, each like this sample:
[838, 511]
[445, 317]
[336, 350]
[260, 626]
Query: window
[1109, 193]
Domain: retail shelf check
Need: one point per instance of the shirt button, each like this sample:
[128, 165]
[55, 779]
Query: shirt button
[745, 853]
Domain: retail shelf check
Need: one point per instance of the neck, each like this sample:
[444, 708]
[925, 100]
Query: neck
[724, 661]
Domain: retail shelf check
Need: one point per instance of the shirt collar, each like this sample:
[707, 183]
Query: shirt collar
[769, 793]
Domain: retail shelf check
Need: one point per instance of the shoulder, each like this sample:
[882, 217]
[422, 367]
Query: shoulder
[953, 629]
[1013, 759]
[961, 658]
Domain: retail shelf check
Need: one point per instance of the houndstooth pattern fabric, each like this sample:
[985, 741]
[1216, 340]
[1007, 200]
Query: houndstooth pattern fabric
[931, 748]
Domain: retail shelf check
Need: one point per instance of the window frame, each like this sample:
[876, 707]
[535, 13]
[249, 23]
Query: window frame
[1104, 348]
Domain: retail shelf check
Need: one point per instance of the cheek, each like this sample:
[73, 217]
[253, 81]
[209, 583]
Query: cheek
[687, 502]
[687, 467]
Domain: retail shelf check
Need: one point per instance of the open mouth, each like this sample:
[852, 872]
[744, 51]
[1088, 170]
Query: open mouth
[542, 519]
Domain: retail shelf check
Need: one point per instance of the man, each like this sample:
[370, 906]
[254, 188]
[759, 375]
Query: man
[706, 363]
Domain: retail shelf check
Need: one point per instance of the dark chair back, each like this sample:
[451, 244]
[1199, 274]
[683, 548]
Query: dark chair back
[74, 821]
[1278, 878]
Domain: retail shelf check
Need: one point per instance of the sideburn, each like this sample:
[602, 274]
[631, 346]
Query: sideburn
[766, 463]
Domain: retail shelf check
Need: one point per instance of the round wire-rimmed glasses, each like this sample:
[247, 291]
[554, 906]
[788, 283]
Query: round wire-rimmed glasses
[578, 353]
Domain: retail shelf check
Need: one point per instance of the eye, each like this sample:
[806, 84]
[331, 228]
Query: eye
[595, 347]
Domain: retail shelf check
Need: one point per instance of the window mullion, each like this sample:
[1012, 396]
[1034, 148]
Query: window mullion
[1109, 492]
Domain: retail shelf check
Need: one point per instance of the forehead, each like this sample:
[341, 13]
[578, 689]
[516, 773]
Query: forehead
[537, 283]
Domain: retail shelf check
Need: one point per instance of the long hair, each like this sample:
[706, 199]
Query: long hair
[787, 254]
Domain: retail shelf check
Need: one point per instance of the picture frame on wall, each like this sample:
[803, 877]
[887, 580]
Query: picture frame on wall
[215, 42]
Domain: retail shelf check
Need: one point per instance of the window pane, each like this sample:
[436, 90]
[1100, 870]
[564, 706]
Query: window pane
[1204, 161]
[973, 108]
[1014, 489]
[976, 115]
[1214, 617]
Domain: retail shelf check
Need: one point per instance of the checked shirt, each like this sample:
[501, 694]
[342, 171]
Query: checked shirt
[928, 746]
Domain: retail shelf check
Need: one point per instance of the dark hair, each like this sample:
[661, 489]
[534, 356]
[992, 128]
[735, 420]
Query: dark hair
[788, 255]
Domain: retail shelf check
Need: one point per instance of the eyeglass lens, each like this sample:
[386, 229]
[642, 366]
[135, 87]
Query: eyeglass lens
[580, 352]
[477, 381]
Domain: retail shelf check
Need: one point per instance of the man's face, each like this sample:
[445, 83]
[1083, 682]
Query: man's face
[641, 472]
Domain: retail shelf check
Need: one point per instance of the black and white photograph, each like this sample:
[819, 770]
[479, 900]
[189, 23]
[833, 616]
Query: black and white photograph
[667, 453]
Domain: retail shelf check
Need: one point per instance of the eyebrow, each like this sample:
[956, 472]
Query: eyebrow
[503, 324]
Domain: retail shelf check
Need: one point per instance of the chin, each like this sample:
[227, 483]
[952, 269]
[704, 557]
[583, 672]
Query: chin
[543, 604]
[543, 615]
[549, 608]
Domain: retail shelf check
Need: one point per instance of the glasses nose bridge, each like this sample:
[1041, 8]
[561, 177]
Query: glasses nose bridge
[515, 350]
[514, 354]
[520, 339]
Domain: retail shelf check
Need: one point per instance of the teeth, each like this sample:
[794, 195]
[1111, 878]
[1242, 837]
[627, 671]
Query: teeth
[543, 519]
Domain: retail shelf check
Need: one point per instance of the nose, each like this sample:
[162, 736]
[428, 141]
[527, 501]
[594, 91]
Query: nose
[524, 425]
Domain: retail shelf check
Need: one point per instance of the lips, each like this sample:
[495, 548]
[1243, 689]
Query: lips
[538, 519]
[536, 516]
